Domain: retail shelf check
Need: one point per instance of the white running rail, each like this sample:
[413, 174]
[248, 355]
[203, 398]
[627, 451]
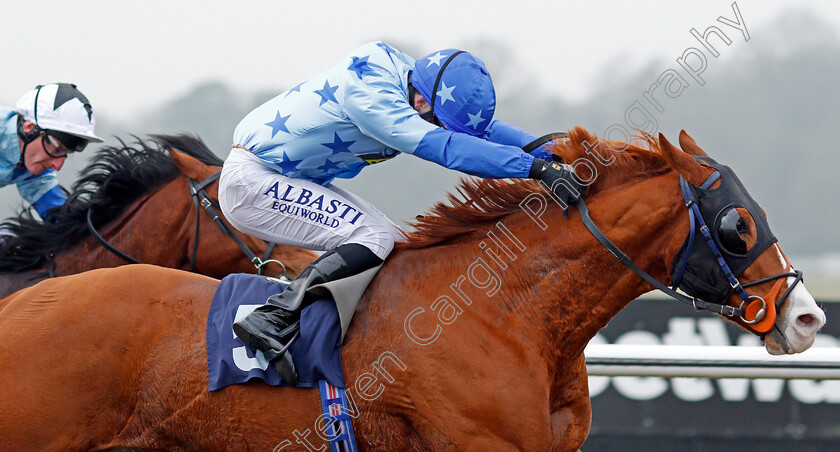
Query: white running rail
[817, 363]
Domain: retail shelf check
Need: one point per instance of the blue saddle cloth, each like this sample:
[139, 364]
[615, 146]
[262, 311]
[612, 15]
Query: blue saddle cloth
[229, 361]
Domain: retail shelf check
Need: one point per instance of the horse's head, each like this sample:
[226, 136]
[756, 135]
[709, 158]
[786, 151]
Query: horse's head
[223, 250]
[729, 255]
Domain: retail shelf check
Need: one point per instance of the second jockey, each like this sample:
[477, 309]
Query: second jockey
[47, 124]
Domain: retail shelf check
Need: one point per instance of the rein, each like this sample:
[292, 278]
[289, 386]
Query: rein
[105, 243]
[528, 148]
[729, 311]
[200, 199]
[754, 306]
[720, 308]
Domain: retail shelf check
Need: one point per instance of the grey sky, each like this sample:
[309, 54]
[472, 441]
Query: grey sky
[130, 56]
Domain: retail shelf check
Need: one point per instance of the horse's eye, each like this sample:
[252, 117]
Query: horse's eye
[730, 228]
[741, 226]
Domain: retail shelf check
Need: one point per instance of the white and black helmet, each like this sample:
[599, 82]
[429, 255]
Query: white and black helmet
[61, 109]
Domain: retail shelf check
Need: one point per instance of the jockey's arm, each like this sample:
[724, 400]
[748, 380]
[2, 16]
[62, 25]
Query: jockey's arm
[378, 107]
[53, 198]
[473, 155]
[501, 132]
[42, 192]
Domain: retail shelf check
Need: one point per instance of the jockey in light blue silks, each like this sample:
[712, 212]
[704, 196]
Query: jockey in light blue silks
[61, 116]
[376, 103]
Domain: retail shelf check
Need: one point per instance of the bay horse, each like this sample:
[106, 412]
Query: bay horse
[471, 337]
[138, 199]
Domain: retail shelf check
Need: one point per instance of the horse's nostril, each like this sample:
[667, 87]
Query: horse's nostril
[807, 320]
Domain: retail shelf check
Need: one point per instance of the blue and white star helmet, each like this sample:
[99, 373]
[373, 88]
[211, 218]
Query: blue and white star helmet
[59, 107]
[458, 87]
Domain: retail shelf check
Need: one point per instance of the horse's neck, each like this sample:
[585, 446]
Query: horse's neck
[549, 289]
[138, 232]
[587, 285]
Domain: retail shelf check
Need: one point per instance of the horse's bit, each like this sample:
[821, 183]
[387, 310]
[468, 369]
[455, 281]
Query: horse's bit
[201, 199]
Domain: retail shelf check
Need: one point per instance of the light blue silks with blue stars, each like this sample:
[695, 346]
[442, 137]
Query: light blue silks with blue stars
[41, 190]
[357, 113]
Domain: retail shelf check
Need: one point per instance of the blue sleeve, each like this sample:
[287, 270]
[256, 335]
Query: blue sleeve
[53, 198]
[377, 105]
[473, 155]
[542, 153]
[32, 187]
[504, 133]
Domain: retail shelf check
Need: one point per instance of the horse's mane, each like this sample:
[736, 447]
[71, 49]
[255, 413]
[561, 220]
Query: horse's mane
[485, 201]
[117, 176]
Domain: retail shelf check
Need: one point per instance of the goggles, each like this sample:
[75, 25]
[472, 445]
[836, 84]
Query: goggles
[59, 144]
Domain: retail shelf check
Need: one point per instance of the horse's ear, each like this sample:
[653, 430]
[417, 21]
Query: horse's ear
[683, 163]
[689, 146]
[190, 166]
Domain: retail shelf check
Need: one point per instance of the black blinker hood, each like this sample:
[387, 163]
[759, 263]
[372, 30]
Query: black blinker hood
[703, 277]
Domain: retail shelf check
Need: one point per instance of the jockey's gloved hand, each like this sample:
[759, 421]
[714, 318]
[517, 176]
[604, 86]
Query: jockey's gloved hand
[559, 180]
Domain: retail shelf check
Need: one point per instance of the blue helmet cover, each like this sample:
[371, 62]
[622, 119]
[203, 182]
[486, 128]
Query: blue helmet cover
[464, 100]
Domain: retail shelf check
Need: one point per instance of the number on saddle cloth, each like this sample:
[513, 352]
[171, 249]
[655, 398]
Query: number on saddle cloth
[229, 361]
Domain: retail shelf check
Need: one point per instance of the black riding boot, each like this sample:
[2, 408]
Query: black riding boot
[273, 326]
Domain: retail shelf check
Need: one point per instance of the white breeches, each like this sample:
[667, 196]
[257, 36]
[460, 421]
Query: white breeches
[261, 202]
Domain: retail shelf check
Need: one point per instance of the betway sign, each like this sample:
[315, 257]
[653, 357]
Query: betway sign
[710, 331]
[703, 407]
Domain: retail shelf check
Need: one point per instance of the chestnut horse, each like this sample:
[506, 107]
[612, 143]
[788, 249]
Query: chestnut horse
[139, 200]
[471, 337]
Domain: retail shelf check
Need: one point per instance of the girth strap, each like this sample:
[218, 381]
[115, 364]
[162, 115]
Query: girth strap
[337, 414]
